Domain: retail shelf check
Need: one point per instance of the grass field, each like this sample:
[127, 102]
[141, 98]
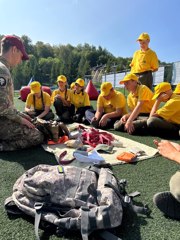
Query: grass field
[148, 177]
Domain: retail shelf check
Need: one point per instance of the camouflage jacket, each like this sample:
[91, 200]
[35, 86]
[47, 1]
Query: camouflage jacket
[7, 108]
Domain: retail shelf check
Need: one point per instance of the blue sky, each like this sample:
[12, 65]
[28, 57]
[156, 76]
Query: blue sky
[111, 24]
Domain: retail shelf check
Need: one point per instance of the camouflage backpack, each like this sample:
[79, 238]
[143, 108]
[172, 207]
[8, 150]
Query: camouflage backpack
[71, 198]
[51, 129]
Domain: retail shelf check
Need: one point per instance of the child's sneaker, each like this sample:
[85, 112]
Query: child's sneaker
[167, 204]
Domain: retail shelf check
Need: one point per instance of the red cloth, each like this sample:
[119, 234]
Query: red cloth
[93, 137]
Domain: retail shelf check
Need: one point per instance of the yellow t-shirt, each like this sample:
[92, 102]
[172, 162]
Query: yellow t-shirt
[118, 100]
[143, 93]
[38, 101]
[171, 110]
[144, 61]
[79, 99]
[65, 95]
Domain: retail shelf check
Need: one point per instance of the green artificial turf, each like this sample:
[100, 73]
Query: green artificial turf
[148, 177]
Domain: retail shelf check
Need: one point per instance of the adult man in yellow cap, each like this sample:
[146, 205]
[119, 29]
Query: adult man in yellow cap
[16, 129]
[111, 105]
[139, 103]
[165, 120]
[144, 61]
[38, 103]
[61, 100]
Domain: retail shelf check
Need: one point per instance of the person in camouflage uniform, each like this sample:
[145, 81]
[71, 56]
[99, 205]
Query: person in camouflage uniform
[16, 129]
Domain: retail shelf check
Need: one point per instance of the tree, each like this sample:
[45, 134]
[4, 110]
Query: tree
[55, 70]
[47, 62]
[21, 75]
[44, 70]
[44, 50]
[28, 44]
[83, 67]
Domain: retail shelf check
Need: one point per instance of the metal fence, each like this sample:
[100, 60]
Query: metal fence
[114, 77]
[175, 73]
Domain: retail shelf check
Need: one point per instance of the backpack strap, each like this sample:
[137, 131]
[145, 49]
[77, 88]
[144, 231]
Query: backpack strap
[127, 200]
[87, 219]
[96, 168]
[84, 222]
[12, 208]
[66, 96]
[38, 210]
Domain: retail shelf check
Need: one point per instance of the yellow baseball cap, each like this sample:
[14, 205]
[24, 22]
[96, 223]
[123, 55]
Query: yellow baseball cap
[80, 81]
[143, 36]
[177, 89]
[128, 77]
[35, 87]
[72, 85]
[106, 88]
[61, 78]
[160, 88]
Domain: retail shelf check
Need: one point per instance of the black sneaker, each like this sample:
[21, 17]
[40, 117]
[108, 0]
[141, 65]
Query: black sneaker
[85, 121]
[167, 204]
[119, 126]
[95, 124]
[77, 118]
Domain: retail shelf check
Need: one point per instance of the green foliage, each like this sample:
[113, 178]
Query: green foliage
[47, 62]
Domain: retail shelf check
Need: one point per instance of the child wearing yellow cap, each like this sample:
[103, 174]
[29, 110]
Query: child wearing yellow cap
[139, 103]
[177, 89]
[80, 101]
[60, 98]
[144, 61]
[165, 120]
[72, 86]
[38, 103]
[111, 105]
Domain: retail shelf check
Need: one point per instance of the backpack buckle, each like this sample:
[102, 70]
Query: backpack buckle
[38, 206]
[86, 209]
[127, 199]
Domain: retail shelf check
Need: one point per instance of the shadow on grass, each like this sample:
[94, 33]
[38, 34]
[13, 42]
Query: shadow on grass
[131, 224]
[47, 229]
[129, 229]
[29, 158]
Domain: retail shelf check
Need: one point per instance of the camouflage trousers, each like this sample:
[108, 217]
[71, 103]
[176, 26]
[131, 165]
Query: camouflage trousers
[15, 136]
